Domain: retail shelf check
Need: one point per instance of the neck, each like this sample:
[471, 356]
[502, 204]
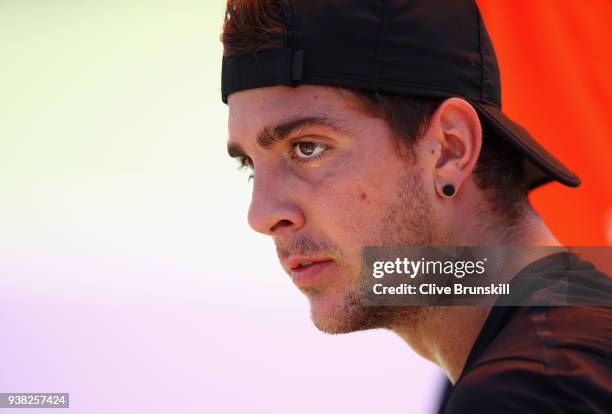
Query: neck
[446, 335]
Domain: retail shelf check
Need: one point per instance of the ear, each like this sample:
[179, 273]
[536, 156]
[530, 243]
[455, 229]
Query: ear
[456, 128]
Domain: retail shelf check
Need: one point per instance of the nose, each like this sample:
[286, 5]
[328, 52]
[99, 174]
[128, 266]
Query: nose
[274, 209]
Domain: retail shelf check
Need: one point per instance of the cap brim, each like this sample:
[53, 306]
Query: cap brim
[540, 165]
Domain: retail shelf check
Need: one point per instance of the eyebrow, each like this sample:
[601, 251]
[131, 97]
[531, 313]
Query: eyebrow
[271, 135]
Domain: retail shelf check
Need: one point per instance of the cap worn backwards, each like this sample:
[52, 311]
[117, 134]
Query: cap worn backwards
[411, 47]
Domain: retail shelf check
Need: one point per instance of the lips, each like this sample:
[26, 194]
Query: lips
[300, 262]
[306, 271]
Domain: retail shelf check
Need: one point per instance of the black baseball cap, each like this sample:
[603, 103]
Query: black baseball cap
[428, 48]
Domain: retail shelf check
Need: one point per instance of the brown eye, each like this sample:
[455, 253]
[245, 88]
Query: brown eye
[245, 163]
[308, 149]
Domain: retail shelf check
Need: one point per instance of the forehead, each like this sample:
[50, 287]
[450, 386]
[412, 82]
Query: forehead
[253, 109]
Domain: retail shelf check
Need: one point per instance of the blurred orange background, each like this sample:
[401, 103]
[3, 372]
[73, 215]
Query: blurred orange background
[556, 72]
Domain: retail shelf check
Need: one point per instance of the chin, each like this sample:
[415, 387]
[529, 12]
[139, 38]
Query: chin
[330, 320]
[339, 313]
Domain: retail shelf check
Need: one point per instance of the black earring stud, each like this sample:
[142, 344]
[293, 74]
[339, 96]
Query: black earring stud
[448, 190]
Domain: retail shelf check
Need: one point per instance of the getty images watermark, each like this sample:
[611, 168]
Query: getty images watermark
[486, 276]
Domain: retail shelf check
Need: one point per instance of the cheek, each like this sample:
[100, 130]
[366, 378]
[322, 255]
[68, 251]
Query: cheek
[348, 206]
[348, 216]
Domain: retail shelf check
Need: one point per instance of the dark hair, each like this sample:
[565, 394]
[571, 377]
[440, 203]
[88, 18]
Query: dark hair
[251, 26]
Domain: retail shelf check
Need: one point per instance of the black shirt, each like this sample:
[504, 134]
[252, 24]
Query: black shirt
[542, 359]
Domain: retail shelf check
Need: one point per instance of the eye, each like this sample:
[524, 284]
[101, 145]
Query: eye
[245, 163]
[306, 150]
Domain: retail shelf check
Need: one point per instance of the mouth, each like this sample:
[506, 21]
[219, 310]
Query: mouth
[307, 271]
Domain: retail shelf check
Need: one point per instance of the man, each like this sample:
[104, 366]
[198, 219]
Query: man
[379, 124]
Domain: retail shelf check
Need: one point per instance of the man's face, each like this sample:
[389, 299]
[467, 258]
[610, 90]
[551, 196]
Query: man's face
[328, 179]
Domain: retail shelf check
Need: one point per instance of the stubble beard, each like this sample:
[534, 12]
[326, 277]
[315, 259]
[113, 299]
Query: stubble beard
[406, 221]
